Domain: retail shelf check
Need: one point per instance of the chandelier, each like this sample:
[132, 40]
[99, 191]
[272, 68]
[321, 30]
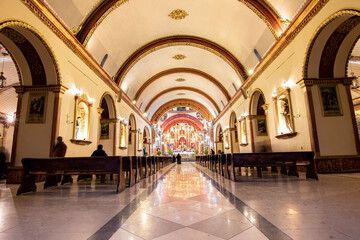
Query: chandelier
[2, 77]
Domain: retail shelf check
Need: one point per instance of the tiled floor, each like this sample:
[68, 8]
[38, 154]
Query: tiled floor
[188, 202]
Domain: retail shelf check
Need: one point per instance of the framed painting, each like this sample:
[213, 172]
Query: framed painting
[104, 131]
[261, 127]
[330, 101]
[36, 111]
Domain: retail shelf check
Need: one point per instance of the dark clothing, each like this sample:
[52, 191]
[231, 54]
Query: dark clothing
[212, 152]
[173, 159]
[98, 152]
[2, 165]
[178, 159]
[59, 150]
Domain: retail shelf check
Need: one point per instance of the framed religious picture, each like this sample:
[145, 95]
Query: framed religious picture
[284, 116]
[261, 129]
[243, 133]
[330, 101]
[36, 111]
[104, 130]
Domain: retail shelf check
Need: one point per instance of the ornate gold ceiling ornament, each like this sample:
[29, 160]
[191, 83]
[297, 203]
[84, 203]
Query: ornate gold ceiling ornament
[180, 80]
[178, 14]
[179, 57]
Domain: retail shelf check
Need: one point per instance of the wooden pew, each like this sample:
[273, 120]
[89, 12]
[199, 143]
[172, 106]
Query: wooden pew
[273, 159]
[67, 166]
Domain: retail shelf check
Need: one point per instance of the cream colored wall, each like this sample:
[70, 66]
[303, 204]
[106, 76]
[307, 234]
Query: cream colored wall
[75, 74]
[289, 66]
[34, 132]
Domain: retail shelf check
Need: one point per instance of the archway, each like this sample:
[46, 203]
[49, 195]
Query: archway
[219, 139]
[107, 126]
[234, 137]
[328, 93]
[147, 141]
[260, 141]
[36, 82]
[132, 136]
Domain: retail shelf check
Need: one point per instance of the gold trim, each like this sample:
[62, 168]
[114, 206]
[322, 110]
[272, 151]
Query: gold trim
[178, 14]
[317, 33]
[47, 88]
[179, 57]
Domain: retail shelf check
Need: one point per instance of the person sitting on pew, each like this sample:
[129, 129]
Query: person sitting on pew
[59, 150]
[98, 153]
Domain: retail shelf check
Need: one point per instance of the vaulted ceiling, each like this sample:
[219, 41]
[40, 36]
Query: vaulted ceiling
[166, 53]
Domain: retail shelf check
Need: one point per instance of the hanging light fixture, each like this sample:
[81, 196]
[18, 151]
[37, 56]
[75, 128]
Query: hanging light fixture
[2, 78]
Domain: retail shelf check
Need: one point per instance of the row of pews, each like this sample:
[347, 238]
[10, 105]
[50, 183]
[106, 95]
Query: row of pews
[134, 168]
[288, 162]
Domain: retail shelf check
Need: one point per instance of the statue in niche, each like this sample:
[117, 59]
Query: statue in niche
[285, 120]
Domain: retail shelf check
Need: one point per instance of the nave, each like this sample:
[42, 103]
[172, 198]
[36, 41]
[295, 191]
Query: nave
[187, 201]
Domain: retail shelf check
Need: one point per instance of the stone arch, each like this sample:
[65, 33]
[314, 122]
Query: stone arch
[260, 141]
[219, 139]
[39, 78]
[330, 47]
[234, 136]
[132, 138]
[147, 140]
[107, 124]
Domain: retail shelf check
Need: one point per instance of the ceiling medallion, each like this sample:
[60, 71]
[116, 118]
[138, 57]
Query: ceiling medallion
[180, 94]
[178, 14]
[179, 57]
[180, 80]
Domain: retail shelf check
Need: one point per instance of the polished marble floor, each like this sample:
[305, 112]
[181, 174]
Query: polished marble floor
[188, 201]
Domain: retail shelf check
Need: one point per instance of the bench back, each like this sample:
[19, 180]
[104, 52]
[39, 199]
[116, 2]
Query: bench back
[73, 164]
[272, 157]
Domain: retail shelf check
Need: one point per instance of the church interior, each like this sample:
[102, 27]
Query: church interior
[238, 91]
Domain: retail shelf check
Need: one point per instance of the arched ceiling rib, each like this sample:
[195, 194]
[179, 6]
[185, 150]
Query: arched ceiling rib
[181, 103]
[182, 70]
[185, 89]
[181, 118]
[185, 41]
[100, 12]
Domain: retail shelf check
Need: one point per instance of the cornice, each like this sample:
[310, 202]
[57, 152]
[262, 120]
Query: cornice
[47, 88]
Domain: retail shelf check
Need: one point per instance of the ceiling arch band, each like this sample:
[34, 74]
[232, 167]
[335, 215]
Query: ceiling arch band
[104, 8]
[182, 103]
[182, 88]
[181, 118]
[182, 70]
[181, 40]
